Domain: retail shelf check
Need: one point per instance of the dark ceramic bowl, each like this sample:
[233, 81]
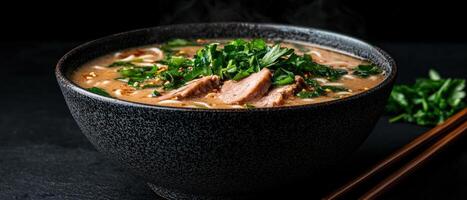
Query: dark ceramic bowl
[188, 152]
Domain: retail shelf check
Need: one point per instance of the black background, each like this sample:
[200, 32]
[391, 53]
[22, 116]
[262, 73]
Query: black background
[385, 20]
[43, 155]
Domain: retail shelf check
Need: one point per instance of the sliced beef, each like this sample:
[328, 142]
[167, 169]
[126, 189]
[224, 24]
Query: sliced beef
[247, 89]
[194, 88]
[278, 95]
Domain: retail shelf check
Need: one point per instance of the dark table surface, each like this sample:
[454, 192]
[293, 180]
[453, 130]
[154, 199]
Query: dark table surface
[43, 154]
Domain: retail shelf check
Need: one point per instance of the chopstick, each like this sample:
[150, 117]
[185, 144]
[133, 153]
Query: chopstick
[403, 152]
[416, 162]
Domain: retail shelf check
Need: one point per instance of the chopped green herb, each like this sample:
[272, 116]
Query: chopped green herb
[428, 101]
[334, 88]
[149, 85]
[121, 64]
[99, 91]
[305, 64]
[240, 58]
[309, 94]
[176, 72]
[180, 43]
[236, 60]
[318, 90]
[282, 77]
[136, 76]
[434, 75]
[367, 70]
[248, 106]
[272, 56]
[155, 93]
[169, 46]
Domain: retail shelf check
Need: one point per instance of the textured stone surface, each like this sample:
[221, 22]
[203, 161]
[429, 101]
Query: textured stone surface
[54, 172]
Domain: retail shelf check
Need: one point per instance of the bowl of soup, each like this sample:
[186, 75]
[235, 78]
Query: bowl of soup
[221, 110]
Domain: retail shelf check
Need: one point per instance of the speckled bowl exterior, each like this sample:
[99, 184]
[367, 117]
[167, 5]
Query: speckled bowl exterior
[189, 152]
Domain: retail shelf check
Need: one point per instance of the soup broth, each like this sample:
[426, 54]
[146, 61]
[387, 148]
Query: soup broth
[227, 73]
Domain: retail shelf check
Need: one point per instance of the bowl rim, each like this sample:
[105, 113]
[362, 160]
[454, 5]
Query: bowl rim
[61, 76]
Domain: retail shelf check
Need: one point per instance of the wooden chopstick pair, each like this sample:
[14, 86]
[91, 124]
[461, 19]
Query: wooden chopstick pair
[447, 132]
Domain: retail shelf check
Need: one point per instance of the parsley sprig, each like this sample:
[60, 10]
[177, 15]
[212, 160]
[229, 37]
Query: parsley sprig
[429, 101]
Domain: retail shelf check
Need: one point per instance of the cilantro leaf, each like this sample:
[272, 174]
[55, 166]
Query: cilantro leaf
[273, 55]
[99, 91]
[428, 101]
[121, 64]
[367, 70]
[169, 46]
[283, 77]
